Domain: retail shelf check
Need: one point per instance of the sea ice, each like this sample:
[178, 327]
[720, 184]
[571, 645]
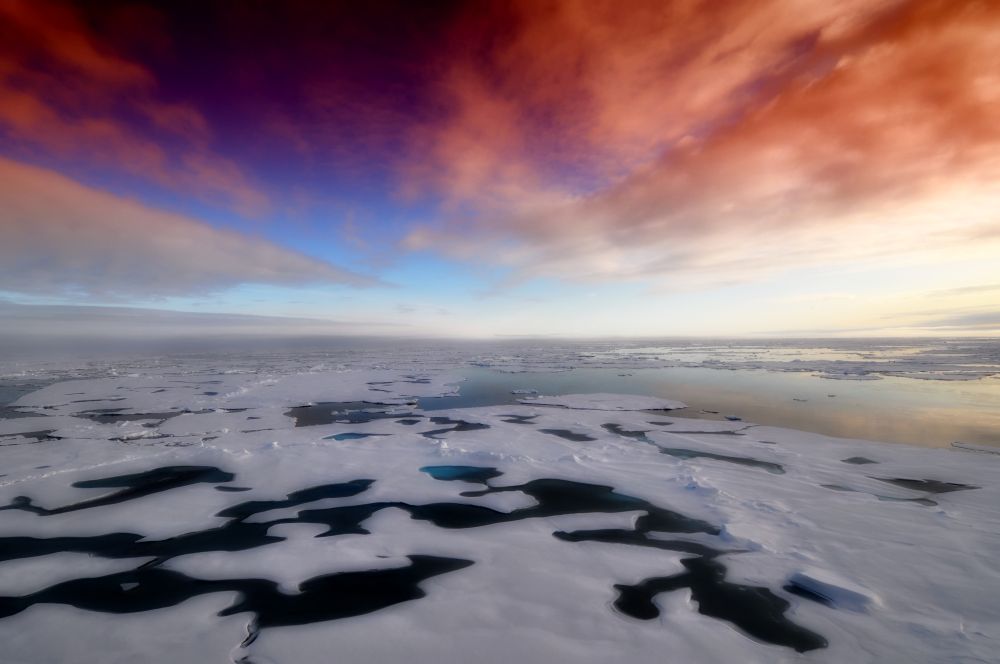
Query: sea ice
[169, 520]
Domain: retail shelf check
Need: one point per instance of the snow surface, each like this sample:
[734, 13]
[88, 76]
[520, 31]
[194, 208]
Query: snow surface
[907, 567]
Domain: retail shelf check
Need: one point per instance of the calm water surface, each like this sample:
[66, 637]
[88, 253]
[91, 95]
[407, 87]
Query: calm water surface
[901, 410]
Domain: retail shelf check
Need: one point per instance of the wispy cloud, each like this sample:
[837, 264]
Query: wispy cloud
[67, 94]
[55, 321]
[981, 320]
[59, 237]
[976, 289]
[671, 143]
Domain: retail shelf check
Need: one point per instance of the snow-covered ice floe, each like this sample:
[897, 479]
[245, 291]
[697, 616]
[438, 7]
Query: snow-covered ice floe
[284, 516]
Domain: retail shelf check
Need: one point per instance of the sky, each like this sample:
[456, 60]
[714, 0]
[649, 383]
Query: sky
[495, 169]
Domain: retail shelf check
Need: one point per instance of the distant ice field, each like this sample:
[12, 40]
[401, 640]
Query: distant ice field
[931, 392]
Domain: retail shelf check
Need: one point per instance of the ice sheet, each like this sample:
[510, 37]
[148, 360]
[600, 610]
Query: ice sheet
[200, 502]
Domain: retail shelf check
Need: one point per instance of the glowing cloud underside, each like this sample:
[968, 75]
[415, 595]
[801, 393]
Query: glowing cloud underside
[707, 146]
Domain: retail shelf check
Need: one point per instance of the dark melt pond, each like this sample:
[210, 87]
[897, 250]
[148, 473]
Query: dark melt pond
[754, 610]
[461, 473]
[350, 412]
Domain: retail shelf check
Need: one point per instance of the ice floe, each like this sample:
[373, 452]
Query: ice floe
[294, 513]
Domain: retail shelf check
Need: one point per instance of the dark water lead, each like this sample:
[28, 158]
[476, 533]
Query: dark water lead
[28, 436]
[134, 485]
[338, 490]
[104, 400]
[352, 412]
[858, 460]
[321, 598]
[554, 497]
[753, 609]
[566, 434]
[557, 497]
[519, 419]
[115, 415]
[625, 433]
[682, 453]
[454, 426]
[930, 486]
[805, 593]
[639, 538]
[106, 546]
[8, 413]
[354, 436]
[341, 595]
[233, 536]
[920, 501]
[709, 433]
[809, 594]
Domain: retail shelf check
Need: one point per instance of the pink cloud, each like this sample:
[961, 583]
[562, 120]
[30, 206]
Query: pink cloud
[63, 91]
[694, 142]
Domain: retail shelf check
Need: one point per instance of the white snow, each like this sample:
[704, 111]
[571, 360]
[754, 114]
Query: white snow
[906, 581]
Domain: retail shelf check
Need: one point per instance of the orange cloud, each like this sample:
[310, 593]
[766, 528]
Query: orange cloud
[695, 141]
[59, 237]
[54, 29]
[62, 90]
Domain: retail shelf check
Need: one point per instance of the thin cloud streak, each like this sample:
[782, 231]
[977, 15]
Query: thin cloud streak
[59, 237]
[983, 320]
[966, 290]
[55, 321]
